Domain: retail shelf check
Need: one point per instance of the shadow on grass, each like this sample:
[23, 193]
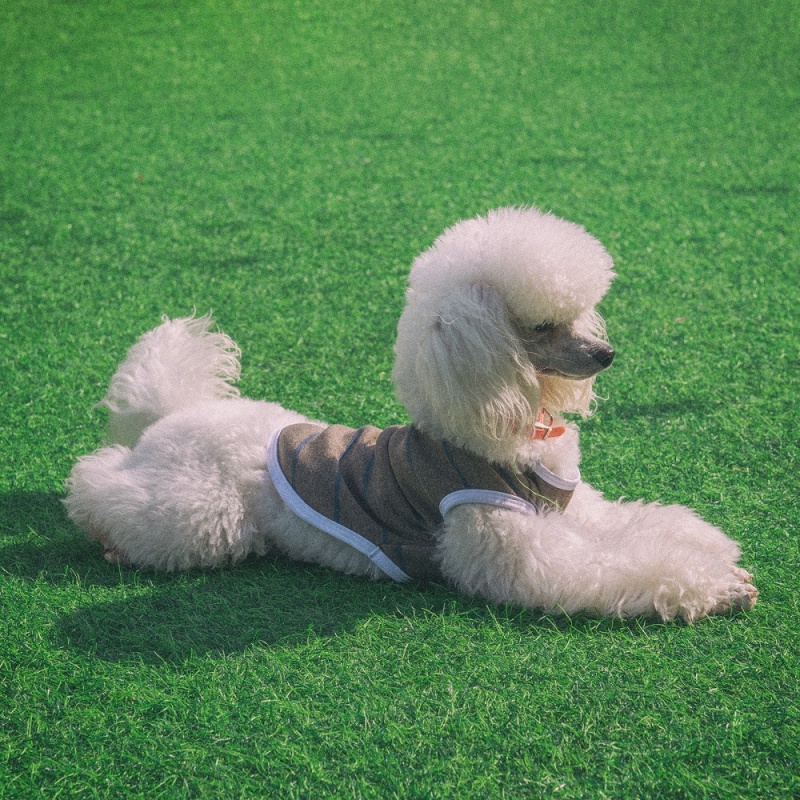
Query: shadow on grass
[39, 543]
[275, 603]
[154, 617]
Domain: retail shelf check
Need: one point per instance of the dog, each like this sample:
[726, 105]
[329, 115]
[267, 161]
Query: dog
[498, 340]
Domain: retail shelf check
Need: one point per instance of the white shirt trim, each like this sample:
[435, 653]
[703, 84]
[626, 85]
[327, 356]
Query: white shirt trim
[485, 497]
[567, 484]
[310, 515]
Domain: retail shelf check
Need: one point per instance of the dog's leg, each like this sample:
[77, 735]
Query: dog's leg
[689, 565]
[629, 560]
[188, 494]
[148, 511]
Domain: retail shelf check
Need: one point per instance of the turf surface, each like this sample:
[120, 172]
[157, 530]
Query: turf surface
[282, 163]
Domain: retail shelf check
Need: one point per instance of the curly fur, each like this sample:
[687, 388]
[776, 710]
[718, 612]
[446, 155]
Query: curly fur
[177, 365]
[500, 321]
[460, 367]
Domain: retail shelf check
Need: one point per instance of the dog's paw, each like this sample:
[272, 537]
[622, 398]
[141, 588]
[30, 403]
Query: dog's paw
[732, 593]
[737, 594]
[114, 556]
[743, 595]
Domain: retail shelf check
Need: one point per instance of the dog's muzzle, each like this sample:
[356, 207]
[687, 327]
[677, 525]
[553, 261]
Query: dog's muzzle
[558, 350]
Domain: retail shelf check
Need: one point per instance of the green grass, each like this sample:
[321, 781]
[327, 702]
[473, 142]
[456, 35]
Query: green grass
[282, 163]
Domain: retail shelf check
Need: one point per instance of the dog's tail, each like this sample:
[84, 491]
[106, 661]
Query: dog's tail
[176, 365]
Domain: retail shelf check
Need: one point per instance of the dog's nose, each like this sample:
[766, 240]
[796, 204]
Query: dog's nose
[605, 357]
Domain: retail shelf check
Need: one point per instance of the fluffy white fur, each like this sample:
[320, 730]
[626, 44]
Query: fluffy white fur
[500, 321]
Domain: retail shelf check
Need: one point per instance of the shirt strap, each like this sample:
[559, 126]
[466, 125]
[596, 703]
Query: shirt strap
[322, 523]
[485, 497]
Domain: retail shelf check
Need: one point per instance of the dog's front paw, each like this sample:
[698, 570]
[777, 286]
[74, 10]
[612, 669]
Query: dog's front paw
[737, 593]
[742, 595]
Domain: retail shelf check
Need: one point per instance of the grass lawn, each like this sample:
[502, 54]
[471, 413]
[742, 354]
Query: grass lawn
[282, 163]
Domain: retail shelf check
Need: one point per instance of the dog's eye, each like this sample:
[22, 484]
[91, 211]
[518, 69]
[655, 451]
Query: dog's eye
[544, 327]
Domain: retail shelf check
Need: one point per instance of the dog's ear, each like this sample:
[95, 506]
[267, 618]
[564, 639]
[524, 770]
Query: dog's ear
[460, 369]
[471, 335]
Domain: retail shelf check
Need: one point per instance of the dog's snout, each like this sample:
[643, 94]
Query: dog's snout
[560, 350]
[605, 356]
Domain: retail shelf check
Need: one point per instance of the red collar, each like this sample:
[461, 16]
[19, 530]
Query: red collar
[543, 427]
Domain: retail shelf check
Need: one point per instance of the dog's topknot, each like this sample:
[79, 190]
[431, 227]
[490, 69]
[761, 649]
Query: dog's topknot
[545, 268]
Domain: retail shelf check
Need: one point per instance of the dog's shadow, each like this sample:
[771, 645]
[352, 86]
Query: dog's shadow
[266, 602]
[269, 602]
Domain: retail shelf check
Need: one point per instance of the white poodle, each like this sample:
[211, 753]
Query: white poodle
[498, 339]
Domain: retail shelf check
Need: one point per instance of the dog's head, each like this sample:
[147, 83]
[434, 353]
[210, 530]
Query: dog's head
[499, 322]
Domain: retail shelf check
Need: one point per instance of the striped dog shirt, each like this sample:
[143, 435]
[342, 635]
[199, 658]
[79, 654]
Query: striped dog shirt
[385, 492]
